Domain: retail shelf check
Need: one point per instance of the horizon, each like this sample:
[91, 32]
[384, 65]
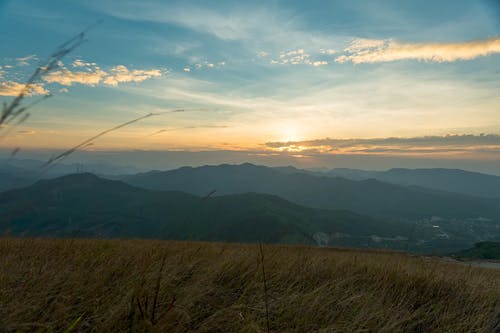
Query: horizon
[142, 161]
[336, 84]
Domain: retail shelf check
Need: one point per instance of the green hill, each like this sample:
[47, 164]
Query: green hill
[482, 250]
[83, 205]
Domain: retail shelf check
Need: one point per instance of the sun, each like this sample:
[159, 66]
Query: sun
[289, 132]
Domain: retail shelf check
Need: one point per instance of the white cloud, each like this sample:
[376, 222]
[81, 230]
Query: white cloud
[294, 57]
[93, 75]
[206, 64]
[327, 51]
[292, 53]
[121, 74]
[81, 63]
[319, 63]
[297, 57]
[12, 88]
[372, 51]
[66, 77]
[187, 69]
[89, 74]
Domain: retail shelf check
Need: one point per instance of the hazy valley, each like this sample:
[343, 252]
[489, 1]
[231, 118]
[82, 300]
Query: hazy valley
[249, 203]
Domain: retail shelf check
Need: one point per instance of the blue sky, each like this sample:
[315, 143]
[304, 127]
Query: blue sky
[269, 76]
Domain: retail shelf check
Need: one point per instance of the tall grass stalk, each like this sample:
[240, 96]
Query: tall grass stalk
[266, 303]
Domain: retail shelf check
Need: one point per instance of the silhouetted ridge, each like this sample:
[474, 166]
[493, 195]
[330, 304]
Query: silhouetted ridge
[365, 196]
[450, 180]
[84, 205]
[82, 181]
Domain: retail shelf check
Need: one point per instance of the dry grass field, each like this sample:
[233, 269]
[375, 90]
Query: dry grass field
[56, 285]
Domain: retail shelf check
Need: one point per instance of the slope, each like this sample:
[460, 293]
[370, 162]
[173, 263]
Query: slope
[84, 205]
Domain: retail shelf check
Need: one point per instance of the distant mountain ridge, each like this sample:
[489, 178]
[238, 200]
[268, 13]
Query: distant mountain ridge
[451, 180]
[17, 173]
[84, 205]
[369, 196]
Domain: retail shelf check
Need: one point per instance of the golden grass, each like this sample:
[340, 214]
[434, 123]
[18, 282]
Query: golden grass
[160, 286]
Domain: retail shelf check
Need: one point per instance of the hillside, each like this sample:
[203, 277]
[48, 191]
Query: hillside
[370, 197]
[158, 286]
[481, 251]
[84, 205]
[451, 180]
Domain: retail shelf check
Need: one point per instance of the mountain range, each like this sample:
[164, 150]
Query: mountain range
[21, 172]
[249, 203]
[84, 205]
[369, 197]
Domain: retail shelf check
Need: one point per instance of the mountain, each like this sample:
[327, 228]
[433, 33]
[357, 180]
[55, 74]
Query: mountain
[482, 250]
[451, 180]
[17, 173]
[84, 205]
[369, 197]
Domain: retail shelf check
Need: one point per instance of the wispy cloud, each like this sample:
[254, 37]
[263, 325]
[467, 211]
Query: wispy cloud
[373, 50]
[205, 64]
[319, 63]
[121, 74]
[25, 61]
[170, 129]
[327, 51]
[237, 25]
[465, 143]
[254, 27]
[295, 57]
[81, 63]
[26, 132]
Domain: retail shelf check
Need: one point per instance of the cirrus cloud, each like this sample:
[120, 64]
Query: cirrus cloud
[374, 50]
[451, 143]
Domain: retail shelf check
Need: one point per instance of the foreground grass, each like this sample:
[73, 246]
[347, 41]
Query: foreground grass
[155, 286]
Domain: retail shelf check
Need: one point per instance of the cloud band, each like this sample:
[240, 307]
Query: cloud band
[374, 50]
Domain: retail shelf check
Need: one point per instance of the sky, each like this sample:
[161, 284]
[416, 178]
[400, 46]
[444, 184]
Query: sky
[311, 81]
